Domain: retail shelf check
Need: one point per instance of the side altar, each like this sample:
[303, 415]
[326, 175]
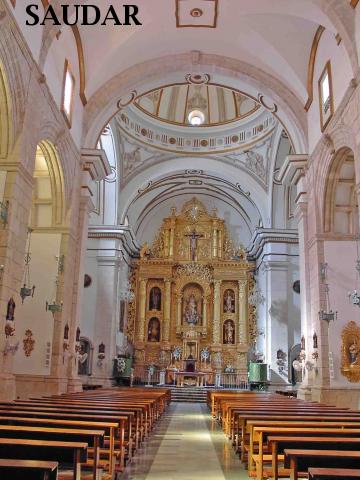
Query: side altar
[191, 310]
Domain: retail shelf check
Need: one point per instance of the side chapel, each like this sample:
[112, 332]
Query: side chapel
[191, 311]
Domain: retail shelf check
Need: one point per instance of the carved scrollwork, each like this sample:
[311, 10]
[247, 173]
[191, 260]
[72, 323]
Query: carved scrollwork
[196, 271]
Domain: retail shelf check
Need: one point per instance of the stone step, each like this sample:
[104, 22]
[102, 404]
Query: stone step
[188, 394]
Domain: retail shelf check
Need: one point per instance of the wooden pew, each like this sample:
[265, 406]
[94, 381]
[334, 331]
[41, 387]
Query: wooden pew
[93, 438]
[84, 414]
[246, 419]
[299, 461]
[74, 453]
[260, 433]
[108, 427]
[27, 469]
[279, 443]
[74, 416]
[333, 473]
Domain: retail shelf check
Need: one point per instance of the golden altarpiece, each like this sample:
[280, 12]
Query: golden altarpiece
[191, 310]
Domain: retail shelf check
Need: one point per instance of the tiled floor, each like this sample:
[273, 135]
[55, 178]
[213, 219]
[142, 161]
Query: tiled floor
[186, 445]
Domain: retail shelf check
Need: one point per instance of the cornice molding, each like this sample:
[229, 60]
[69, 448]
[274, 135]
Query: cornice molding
[96, 163]
[121, 232]
[292, 169]
[263, 236]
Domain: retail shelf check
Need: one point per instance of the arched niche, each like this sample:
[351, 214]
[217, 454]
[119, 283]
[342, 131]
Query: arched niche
[154, 330]
[155, 299]
[192, 309]
[229, 332]
[229, 301]
[85, 356]
[340, 202]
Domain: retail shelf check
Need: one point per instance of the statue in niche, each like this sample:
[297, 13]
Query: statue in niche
[191, 311]
[353, 352]
[229, 332]
[229, 301]
[10, 312]
[155, 299]
[83, 361]
[154, 330]
[315, 341]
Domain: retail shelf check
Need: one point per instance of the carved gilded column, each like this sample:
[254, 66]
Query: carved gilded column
[178, 313]
[167, 243]
[172, 239]
[214, 235]
[243, 334]
[142, 309]
[220, 242]
[217, 305]
[204, 312]
[167, 307]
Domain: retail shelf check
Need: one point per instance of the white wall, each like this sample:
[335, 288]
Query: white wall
[341, 77]
[32, 315]
[341, 277]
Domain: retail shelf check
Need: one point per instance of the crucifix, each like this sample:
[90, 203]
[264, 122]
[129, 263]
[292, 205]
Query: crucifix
[193, 243]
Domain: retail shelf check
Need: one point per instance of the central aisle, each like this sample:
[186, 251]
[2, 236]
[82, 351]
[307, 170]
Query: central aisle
[186, 445]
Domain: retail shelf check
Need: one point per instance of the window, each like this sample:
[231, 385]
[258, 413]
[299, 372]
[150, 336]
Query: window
[326, 96]
[67, 102]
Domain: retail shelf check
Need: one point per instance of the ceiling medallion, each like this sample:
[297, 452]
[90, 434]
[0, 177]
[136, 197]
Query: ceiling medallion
[198, 78]
[196, 12]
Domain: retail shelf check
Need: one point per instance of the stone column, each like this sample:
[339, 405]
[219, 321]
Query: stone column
[243, 329]
[86, 205]
[167, 310]
[217, 315]
[17, 191]
[142, 310]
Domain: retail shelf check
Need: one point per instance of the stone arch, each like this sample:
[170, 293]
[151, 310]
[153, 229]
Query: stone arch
[5, 115]
[47, 150]
[340, 199]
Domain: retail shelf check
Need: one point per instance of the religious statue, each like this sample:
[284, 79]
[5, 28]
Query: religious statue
[229, 332]
[145, 251]
[353, 352]
[10, 312]
[193, 243]
[154, 330]
[83, 361]
[155, 299]
[191, 312]
[229, 303]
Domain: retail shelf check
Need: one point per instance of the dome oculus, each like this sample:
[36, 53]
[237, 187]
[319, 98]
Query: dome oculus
[196, 118]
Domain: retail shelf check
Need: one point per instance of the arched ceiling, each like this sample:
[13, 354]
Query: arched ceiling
[275, 35]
